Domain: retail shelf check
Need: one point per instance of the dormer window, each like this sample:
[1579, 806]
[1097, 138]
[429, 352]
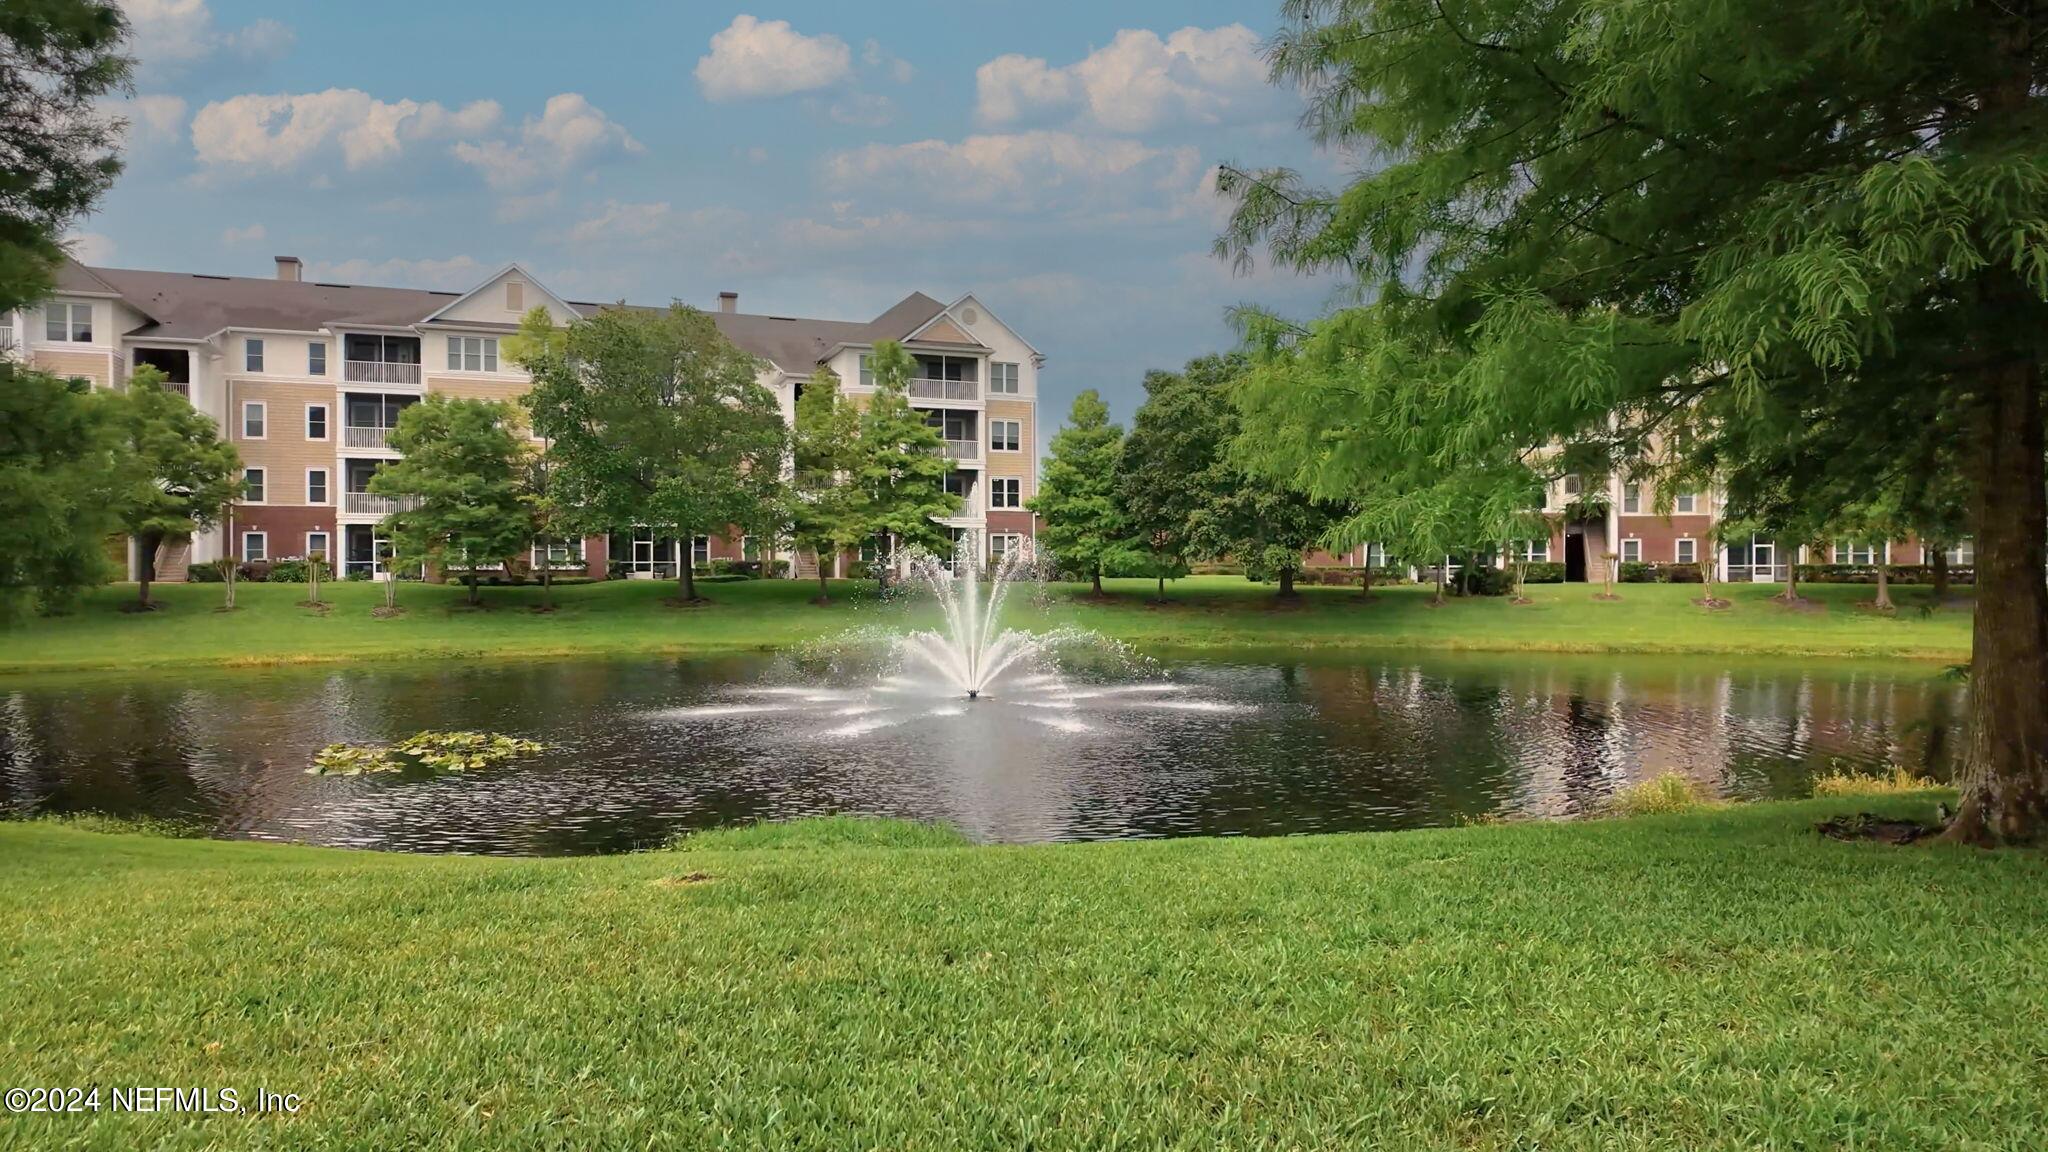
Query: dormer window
[515, 296]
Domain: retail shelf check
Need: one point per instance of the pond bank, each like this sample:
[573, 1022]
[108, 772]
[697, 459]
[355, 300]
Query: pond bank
[1723, 979]
[271, 627]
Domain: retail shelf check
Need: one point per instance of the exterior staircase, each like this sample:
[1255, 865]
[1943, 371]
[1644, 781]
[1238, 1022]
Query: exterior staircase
[807, 565]
[1596, 566]
[173, 561]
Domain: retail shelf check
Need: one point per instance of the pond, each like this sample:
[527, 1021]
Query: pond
[1249, 744]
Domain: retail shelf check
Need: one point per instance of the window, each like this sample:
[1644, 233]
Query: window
[871, 550]
[317, 547]
[1006, 492]
[316, 485]
[1005, 435]
[700, 551]
[515, 296]
[1964, 554]
[1632, 498]
[67, 323]
[556, 553]
[252, 485]
[472, 353]
[1572, 485]
[1534, 551]
[316, 358]
[1375, 555]
[1002, 379]
[1685, 502]
[254, 415]
[1001, 544]
[252, 355]
[1631, 551]
[316, 421]
[1854, 552]
[255, 546]
[749, 550]
[1687, 551]
[867, 371]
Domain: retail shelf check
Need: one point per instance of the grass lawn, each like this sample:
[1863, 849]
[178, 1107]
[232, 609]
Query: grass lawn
[1703, 981]
[627, 617]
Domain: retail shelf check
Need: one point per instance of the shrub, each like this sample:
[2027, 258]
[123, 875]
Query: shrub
[1667, 793]
[1682, 574]
[290, 571]
[1839, 782]
[745, 569]
[1486, 580]
[207, 572]
[1637, 572]
[1544, 573]
[1867, 574]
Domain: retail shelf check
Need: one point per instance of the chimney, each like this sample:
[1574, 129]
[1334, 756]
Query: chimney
[289, 267]
[728, 302]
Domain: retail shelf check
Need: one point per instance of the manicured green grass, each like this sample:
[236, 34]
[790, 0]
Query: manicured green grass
[629, 617]
[1714, 980]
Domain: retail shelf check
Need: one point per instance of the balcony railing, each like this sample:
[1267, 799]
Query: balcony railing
[7, 344]
[358, 436]
[963, 449]
[371, 504]
[944, 389]
[379, 372]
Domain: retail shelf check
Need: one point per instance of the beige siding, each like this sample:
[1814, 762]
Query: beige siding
[944, 332]
[284, 453]
[1018, 463]
[478, 387]
[93, 366]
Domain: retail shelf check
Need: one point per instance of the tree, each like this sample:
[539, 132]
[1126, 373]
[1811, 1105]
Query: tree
[1173, 463]
[460, 485]
[1076, 498]
[548, 517]
[1658, 223]
[176, 474]
[58, 484]
[656, 420]
[58, 58]
[900, 462]
[826, 515]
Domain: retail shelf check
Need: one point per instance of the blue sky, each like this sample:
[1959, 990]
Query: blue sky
[820, 159]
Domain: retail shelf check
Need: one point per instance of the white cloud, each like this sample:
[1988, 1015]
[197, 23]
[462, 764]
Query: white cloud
[90, 247]
[279, 133]
[753, 58]
[153, 120]
[621, 222]
[253, 234]
[172, 36]
[1026, 171]
[456, 273]
[863, 110]
[1138, 82]
[899, 69]
[569, 133]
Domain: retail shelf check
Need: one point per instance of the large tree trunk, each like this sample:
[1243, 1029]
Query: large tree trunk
[1161, 597]
[471, 582]
[1095, 579]
[1940, 564]
[824, 589]
[1286, 583]
[146, 545]
[1884, 584]
[1365, 579]
[1791, 593]
[2005, 770]
[547, 584]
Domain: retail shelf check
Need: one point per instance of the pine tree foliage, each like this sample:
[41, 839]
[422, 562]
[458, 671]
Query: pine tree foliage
[1076, 500]
[826, 513]
[900, 465]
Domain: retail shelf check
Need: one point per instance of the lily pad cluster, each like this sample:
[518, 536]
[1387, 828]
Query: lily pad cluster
[430, 752]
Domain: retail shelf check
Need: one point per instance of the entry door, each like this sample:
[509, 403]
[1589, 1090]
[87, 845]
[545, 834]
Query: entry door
[643, 554]
[1575, 557]
[1763, 559]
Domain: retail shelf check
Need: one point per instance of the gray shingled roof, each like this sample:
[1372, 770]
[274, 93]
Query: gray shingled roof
[186, 306]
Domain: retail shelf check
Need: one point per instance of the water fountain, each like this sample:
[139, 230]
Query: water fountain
[973, 648]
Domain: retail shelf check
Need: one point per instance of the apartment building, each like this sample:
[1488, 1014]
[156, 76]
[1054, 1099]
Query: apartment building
[307, 380]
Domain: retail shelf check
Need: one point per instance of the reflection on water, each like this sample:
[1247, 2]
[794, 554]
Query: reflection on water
[641, 750]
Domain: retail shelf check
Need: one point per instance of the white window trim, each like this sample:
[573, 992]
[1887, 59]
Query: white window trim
[242, 547]
[325, 358]
[496, 358]
[68, 306]
[265, 498]
[327, 482]
[992, 442]
[1632, 504]
[262, 406]
[1529, 554]
[1677, 508]
[1625, 558]
[1016, 380]
[994, 482]
[1678, 550]
[539, 554]
[326, 423]
[249, 342]
[1012, 541]
[693, 550]
[329, 550]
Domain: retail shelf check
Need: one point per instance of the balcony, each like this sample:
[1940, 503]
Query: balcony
[371, 504]
[358, 436]
[963, 449]
[8, 345]
[922, 389]
[380, 372]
